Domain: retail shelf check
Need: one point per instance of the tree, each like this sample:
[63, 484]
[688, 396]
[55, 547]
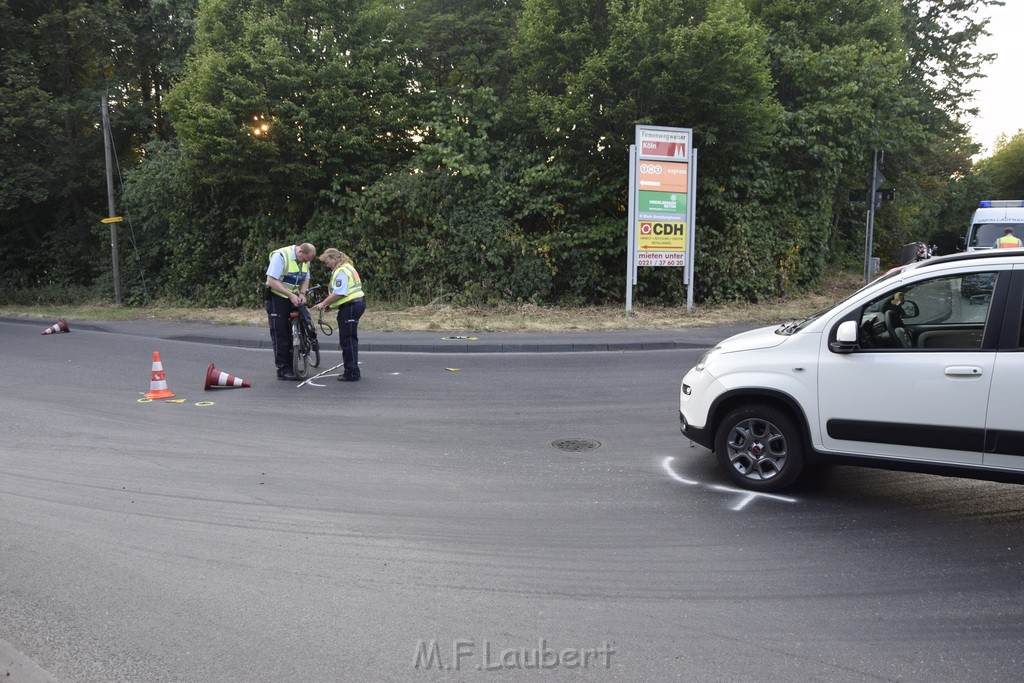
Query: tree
[837, 67]
[590, 72]
[932, 157]
[151, 57]
[52, 168]
[477, 148]
[1003, 172]
[942, 59]
[56, 61]
[458, 45]
[284, 109]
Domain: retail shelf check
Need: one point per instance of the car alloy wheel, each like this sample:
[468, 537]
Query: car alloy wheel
[760, 447]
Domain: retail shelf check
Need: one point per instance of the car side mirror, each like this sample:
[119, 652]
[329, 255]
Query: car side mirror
[846, 337]
[910, 309]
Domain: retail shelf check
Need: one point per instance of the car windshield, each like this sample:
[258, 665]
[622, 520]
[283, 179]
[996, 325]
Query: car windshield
[985, 234]
[797, 325]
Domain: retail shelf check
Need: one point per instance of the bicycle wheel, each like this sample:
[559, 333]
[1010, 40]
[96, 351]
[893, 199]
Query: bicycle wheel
[313, 344]
[300, 350]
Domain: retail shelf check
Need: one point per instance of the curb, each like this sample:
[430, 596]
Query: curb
[251, 337]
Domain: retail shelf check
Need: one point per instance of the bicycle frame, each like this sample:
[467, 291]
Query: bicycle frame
[305, 347]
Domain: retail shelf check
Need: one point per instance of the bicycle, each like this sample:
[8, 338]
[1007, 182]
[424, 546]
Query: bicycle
[305, 345]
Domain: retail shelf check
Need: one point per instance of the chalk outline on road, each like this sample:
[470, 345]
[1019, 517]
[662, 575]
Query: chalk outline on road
[748, 496]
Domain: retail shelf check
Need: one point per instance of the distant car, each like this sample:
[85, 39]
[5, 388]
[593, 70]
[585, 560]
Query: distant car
[922, 369]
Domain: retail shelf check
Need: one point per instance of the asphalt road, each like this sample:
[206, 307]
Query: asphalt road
[420, 525]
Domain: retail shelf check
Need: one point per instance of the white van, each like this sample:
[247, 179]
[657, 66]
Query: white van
[990, 220]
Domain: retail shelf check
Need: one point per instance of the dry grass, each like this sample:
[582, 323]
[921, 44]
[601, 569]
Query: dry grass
[524, 318]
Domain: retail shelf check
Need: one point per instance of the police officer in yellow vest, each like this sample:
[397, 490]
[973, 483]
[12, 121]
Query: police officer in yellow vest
[347, 298]
[1007, 241]
[287, 281]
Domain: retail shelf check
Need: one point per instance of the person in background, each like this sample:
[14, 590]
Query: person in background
[1007, 241]
[287, 281]
[347, 297]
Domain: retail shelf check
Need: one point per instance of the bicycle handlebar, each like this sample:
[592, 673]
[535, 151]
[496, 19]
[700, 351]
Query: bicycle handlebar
[313, 297]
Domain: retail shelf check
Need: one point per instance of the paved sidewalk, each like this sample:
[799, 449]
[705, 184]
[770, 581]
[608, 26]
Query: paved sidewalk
[250, 336]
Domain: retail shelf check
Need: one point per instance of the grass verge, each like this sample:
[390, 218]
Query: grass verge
[381, 317]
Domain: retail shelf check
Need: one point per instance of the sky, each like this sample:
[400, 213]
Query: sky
[999, 94]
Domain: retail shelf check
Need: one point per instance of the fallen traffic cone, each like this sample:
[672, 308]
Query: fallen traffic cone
[61, 326]
[216, 378]
[157, 380]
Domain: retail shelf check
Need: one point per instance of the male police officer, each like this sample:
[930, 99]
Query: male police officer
[1007, 241]
[287, 281]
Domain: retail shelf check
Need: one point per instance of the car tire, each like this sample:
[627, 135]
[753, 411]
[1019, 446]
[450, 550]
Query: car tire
[760, 447]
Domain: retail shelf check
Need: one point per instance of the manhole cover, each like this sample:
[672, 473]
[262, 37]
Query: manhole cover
[576, 445]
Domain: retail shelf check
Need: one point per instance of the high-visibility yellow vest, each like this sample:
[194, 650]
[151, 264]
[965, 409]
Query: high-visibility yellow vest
[355, 285]
[1007, 242]
[294, 272]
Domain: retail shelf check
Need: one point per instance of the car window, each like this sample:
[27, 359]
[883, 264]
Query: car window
[985, 234]
[940, 313]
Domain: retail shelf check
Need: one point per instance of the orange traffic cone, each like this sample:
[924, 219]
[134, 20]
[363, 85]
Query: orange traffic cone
[157, 380]
[216, 378]
[61, 326]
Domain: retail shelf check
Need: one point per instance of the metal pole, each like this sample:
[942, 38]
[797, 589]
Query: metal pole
[630, 226]
[869, 240]
[691, 219]
[111, 211]
[867, 247]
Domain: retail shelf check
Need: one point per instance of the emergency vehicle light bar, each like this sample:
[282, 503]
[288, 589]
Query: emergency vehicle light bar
[999, 203]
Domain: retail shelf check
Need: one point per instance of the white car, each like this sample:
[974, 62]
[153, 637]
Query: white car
[922, 369]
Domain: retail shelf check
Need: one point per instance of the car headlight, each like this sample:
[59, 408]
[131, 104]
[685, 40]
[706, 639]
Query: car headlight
[706, 358]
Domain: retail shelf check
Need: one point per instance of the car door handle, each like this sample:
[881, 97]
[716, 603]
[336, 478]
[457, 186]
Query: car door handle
[963, 371]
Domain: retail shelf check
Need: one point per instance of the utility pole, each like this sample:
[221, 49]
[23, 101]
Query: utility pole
[111, 211]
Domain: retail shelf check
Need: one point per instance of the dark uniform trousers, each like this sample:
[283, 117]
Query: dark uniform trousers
[279, 312]
[349, 314]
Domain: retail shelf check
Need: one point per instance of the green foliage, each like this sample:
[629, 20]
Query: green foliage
[1004, 170]
[53, 72]
[476, 150]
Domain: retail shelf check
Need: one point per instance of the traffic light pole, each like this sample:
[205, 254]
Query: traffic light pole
[869, 240]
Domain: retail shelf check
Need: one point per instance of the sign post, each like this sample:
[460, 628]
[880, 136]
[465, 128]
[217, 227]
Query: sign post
[662, 193]
[630, 262]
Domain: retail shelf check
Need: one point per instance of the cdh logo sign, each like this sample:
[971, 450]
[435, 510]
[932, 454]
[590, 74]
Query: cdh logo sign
[663, 229]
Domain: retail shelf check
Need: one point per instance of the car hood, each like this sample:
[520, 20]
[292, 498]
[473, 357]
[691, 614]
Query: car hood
[761, 338]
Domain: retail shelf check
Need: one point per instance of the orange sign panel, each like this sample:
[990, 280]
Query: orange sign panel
[664, 176]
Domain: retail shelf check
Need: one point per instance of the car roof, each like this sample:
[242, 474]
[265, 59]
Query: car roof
[1013, 254]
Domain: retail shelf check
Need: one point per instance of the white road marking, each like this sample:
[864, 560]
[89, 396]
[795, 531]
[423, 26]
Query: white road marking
[751, 495]
[747, 495]
[667, 464]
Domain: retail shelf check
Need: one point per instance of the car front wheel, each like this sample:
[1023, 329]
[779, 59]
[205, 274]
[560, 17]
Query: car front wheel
[760, 447]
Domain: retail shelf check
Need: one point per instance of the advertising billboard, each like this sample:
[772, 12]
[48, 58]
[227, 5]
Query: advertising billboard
[662, 173]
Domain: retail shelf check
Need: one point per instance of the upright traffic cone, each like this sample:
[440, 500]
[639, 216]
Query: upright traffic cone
[61, 326]
[216, 378]
[157, 380]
